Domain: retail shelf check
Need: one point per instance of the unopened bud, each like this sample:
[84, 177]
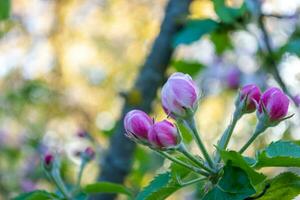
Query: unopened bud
[164, 135]
[273, 105]
[48, 161]
[88, 154]
[82, 134]
[180, 96]
[251, 95]
[137, 124]
[233, 77]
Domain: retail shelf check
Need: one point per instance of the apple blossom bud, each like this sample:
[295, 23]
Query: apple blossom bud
[180, 96]
[82, 134]
[275, 103]
[48, 161]
[251, 95]
[88, 154]
[137, 123]
[164, 135]
[233, 77]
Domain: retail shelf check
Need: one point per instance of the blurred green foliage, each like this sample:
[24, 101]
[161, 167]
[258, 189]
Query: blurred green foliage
[4, 9]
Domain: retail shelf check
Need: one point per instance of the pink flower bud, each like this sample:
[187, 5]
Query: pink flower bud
[89, 153]
[178, 94]
[233, 77]
[163, 134]
[137, 124]
[82, 134]
[48, 160]
[275, 103]
[252, 93]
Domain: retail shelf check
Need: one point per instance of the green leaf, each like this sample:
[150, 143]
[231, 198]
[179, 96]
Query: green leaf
[285, 186]
[250, 161]
[227, 14]
[165, 184]
[4, 9]
[81, 196]
[293, 46]
[194, 30]
[185, 133]
[235, 180]
[156, 188]
[187, 67]
[279, 154]
[221, 41]
[36, 195]
[106, 187]
[234, 185]
[238, 161]
[178, 171]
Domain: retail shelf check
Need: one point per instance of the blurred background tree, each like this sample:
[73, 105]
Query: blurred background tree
[66, 67]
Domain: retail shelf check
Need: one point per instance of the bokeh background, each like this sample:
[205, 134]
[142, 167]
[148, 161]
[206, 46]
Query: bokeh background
[66, 64]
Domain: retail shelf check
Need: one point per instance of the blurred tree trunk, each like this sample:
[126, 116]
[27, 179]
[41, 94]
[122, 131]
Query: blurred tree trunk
[117, 163]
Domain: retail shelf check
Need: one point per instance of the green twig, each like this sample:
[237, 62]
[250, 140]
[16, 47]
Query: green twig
[275, 71]
[179, 162]
[191, 182]
[55, 176]
[191, 124]
[82, 165]
[185, 152]
[227, 133]
[258, 130]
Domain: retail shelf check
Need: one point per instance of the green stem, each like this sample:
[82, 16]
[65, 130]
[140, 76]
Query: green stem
[223, 143]
[192, 126]
[179, 162]
[260, 127]
[185, 152]
[192, 182]
[55, 175]
[82, 166]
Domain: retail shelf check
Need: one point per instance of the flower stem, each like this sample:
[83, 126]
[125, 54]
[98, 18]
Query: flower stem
[191, 124]
[55, 175]
[227, 133]
[79, 176]
[260, 127]
[192, 181]
[179, 162]
[185, 152]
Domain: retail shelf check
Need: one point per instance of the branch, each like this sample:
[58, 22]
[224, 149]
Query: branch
[117, 163]
[280, 16]
[274, 71]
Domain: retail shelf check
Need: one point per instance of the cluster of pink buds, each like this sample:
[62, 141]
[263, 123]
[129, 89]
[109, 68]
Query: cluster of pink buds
[272, 106]
[180, 97]
[141, 128]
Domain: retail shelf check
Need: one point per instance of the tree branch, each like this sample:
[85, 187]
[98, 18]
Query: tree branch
[274, 70]
[117, 163]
